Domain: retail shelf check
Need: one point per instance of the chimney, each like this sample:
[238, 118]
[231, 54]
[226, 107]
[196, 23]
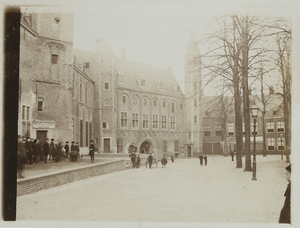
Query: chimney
[169, 68]
[97, 44]
[123, 53]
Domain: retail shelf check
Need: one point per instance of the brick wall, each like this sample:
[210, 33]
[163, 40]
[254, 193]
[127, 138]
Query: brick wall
[35, 184]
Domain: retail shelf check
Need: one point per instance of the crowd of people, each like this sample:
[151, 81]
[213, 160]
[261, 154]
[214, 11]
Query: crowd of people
[136, 160]
[32, 151]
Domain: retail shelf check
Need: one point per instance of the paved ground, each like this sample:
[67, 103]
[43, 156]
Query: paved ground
[183, 192]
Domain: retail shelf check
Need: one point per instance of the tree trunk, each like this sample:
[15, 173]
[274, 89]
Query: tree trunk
[245, 51]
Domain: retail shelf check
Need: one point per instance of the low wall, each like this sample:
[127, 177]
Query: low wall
[34, 184]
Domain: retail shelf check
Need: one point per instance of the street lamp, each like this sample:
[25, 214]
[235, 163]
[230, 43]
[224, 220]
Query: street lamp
[281, 135]
[254, 114]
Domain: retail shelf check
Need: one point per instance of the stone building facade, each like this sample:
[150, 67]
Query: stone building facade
[72, 94]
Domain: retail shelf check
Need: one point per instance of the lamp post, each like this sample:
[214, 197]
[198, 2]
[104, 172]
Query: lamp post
[281, 135]
[254, 114]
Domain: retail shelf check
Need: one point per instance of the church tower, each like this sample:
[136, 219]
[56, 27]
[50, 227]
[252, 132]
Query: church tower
[194, 94]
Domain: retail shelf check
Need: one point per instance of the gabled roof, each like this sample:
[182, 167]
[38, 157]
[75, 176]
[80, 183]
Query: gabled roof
[103, 47]
[150, 74]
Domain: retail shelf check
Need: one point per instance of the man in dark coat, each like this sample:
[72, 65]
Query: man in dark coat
[73, 151]
[46, 148]
[150, 159]
[285, 214]
[21, 156]
[29, 149]
[77, 148]
[133, 157]
[36, 150]
[138, 160]
[52, 149]
[92, 150]
[201, 159]
[232, 155]
[67, 148]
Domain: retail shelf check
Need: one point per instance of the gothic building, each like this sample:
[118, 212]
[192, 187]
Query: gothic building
[72, 94]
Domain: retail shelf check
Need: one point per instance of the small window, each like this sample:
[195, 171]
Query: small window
[271, 143]
[87, 65]
[40, 104]
[54, 59]
[180, 105]
[280, 143]
[135, 101]
[218, 130]
[154, 103]
[106, 85]
[270, 126]
[23, 112]
[164, 103]
[104, 125]
[280, 126]
[275, 112]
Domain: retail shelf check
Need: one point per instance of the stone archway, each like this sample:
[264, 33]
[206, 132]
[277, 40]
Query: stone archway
[148, 146]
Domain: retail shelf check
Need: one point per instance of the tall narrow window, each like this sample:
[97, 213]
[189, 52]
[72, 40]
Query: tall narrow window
[280, 126]
[165, 146]
[164, 122]
[86, 133]
[28, 110]
[80, 91]
[86, 92]
[73, 132]
[180, 105]
[23, 112]
[271, 143]
[145, 120]
[54, 59]
[123, 119]
[270, 126]
[195, 119]
[173, 122]
[230, 128]
[104, 125]
[206, 130]
[280, 143]
[154, 103]
[173, 107]
[81, 133]
[40, 104]
[176, 146]
[135, 120]
[106, 86]
[155, 121]
[164, 104]
[120, 145]
[124, 99]
[91, 132]
[73, 91]
[145, 101]
[218, 130]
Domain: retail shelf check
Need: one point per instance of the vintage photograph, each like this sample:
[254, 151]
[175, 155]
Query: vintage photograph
[147, 112]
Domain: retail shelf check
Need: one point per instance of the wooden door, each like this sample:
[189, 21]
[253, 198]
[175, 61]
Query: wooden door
[41, 136]
[106, 145]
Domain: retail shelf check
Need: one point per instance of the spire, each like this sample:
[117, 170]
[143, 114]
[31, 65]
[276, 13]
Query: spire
[192, 47]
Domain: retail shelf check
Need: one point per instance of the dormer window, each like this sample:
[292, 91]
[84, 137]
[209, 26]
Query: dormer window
[141, 80]
[87, 65]
[159, 83]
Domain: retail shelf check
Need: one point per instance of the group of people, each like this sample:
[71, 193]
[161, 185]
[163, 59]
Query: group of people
[32, 151]
[201, 158]
[135, 160]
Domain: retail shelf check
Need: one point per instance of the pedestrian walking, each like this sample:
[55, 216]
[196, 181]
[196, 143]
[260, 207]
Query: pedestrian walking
[73, 154]
[164, 162]
[92, 150]
[132, 157]
[138, 160]
[77, 148]
[172, 158]
[205, 160]
[232, 155]
[46, 148]
[285, 214]
[58, 152]
[29, 149]
[52, 149]
[21, 156]
[201, 159]
[150, 159]
[67, 148]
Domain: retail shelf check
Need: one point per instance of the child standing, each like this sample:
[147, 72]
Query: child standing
[92, 150]
[164, 162]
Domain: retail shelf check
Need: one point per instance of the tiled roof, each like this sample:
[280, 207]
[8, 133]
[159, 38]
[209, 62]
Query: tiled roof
[151, 75]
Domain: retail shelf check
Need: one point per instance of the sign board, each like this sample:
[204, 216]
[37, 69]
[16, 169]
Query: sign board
[43, 125]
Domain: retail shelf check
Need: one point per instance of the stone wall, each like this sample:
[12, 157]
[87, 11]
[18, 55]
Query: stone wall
[34, 184]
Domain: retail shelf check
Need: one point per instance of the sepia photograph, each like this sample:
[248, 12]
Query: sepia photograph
[151, 113]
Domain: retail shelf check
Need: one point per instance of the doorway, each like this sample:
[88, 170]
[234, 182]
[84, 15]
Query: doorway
[189, 151]
[146, 147]
[41, 136]
[106, 145]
